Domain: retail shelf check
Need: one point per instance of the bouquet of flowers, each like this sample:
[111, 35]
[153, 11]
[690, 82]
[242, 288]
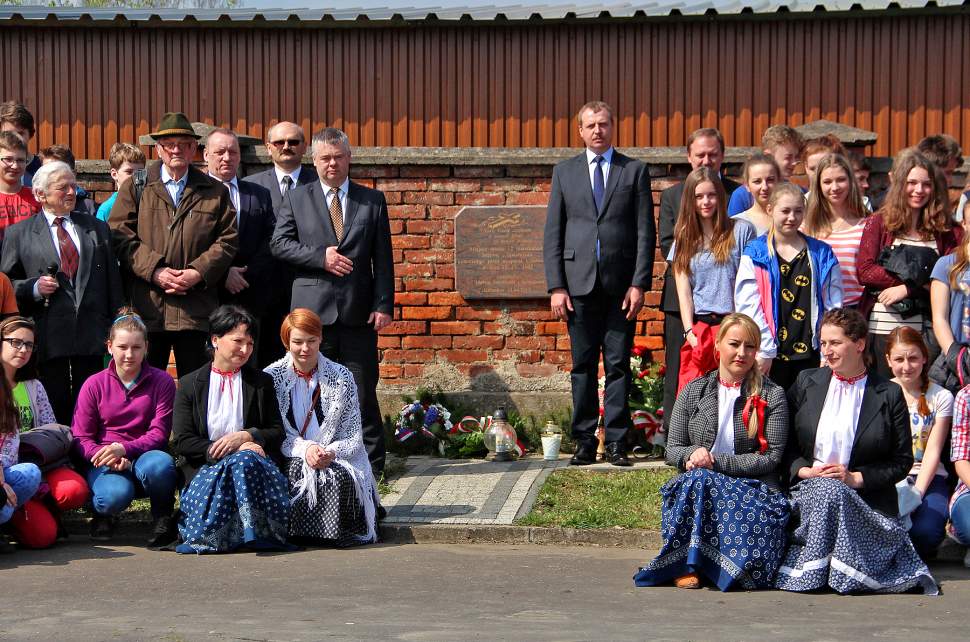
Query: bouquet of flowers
[422, 418]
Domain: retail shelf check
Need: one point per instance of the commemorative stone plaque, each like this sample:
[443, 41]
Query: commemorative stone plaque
[498, 252]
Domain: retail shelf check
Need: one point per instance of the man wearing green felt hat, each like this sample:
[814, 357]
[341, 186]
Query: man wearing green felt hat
[174, 230]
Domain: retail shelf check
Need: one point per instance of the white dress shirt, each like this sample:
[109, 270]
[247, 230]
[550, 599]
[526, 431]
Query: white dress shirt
[175, 187]
[294, 176]
[225, 405]
[52, 229]
[838, 421]
[342, 193]
[606, 165]
[233, 186]
[724, 442]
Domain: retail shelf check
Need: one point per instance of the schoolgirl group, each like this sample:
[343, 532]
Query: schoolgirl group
[796, 476]
[264, 459]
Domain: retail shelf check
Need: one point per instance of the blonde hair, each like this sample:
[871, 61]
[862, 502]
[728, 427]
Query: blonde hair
[754, 378]
[781, 189]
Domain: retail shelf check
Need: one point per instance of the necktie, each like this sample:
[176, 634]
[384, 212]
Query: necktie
[69, 256]
[599, 187]
[233, 196]
[336, 213]
[287, 184]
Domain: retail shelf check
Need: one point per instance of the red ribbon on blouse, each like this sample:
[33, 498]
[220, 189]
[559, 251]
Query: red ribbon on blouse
[756, 403]
[227, 376]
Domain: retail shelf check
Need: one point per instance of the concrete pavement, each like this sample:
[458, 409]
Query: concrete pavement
[431, 592]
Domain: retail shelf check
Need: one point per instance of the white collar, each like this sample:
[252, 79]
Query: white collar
[234, 181]
[607, 156]
[294, 175]
[50, 217]
[344, 187]
[166, 176]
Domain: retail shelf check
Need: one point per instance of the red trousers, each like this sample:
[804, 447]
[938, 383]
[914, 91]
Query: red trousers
[34, 524]
[697, 361]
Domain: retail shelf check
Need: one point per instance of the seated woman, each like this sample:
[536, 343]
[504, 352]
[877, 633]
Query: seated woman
[849, 445]
[226, 426]
[18, 481]
[727, 434]
[786, 281]
[960, 455]
[332, 488]
[122, 423]
[930, 413]
[37, 525]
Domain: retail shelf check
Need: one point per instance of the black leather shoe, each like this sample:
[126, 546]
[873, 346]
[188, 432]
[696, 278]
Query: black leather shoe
[102, 528]
[585, 455]
[164, 532]
[616, 455]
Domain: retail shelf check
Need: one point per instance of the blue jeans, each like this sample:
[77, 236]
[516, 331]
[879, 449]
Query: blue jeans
[929, 520]
[152, 475]
[960, 517]
[24, 479]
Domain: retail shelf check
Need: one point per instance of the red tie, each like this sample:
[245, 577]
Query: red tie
[69, 256]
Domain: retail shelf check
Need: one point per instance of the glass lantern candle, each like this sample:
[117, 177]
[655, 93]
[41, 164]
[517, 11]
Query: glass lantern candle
[500, 437]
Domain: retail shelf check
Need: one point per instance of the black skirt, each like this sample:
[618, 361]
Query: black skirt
[336, 519]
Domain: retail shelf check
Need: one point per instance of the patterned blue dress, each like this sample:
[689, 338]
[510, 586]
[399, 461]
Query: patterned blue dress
[730, 530]
[241, 501]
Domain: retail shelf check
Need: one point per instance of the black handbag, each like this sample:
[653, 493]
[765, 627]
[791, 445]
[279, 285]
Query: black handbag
[913, 265]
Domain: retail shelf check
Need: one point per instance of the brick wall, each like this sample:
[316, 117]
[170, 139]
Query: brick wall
[494, 348]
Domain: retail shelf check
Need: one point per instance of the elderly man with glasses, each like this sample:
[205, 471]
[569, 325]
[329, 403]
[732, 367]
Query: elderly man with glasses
[174, 231]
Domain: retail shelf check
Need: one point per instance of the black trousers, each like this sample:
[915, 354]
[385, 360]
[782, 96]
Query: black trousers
[189, 346]
[355, 347]
[62, 378]
[673, 340]
[597, 326]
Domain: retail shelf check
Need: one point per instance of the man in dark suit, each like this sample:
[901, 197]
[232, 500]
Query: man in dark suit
[337, 236]
[250, 279]
[286, 144]
[598, 252]
[66, 278]
[705, 148]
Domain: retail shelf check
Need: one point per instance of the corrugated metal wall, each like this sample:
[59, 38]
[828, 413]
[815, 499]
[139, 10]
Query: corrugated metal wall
[488, 85]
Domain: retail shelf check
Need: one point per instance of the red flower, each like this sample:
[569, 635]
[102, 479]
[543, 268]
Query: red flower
[662, 371]
[643, 373]
[638, 351]
[660, 412]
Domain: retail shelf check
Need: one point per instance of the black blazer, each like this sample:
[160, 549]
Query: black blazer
[77, 321]
[624, 228]
[304, 231]
[256, 223]
[883, 446]
[190, 418]
[267, 179]
[669, 207]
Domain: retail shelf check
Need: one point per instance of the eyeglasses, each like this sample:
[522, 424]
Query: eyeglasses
[10, 161]
[20, 344]
[171, 145]
[292, 142]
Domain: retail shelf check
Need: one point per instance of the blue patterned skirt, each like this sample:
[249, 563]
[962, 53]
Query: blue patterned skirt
[843, 543]
[240, 501]
[730, 530]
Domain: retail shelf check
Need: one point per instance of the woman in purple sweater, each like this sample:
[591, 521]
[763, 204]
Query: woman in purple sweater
[121, 427]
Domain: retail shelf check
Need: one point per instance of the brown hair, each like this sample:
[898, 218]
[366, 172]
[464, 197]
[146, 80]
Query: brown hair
[818, 215]
[778, 135]
[62, 153]
[941, 149]
[9, 417]
[760, 158]
[12, 142]
[826, 143]
[127, 319]
[300, 319]
[905, 335]
[705, 132]
[17, 114]
[593, 106]
[850, 320]
[754, 378]
[961, 256]
[689, 235]
[933, 218]
[122, 153]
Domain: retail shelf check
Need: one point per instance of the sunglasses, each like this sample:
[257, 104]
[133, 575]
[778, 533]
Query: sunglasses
[292, 142]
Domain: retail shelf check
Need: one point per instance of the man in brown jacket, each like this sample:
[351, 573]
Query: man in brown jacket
[174, 244]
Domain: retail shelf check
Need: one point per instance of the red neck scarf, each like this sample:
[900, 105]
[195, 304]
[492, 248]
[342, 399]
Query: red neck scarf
[226, 380]
[306, 376]
[849, 380]
[728, 384]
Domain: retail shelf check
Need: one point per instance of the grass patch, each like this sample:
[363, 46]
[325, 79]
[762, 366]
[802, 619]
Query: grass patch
[393, 468]
[587, 499]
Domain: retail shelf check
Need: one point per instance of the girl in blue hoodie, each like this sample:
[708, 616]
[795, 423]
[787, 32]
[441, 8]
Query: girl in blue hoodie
[786, 281]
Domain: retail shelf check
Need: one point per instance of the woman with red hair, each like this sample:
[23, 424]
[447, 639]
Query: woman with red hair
[332, 489]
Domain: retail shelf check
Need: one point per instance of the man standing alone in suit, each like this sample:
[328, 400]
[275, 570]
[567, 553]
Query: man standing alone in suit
[250, 277]
[705, 148]
[598, 252]
[337, 236]
[286, 144]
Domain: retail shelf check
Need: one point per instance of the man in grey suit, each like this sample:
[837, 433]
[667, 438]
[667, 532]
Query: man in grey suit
[337, 236]
[598, 252]
[286, 144]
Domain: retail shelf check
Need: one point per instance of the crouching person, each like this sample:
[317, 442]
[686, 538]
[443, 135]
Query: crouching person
[227, 433]
[121, 428]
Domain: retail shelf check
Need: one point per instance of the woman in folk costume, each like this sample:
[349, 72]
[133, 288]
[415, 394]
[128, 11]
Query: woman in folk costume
[332, 488]
[849, 445]
[724, 517]
[226, 432]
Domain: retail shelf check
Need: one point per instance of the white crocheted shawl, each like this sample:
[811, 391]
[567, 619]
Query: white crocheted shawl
[339, 432]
